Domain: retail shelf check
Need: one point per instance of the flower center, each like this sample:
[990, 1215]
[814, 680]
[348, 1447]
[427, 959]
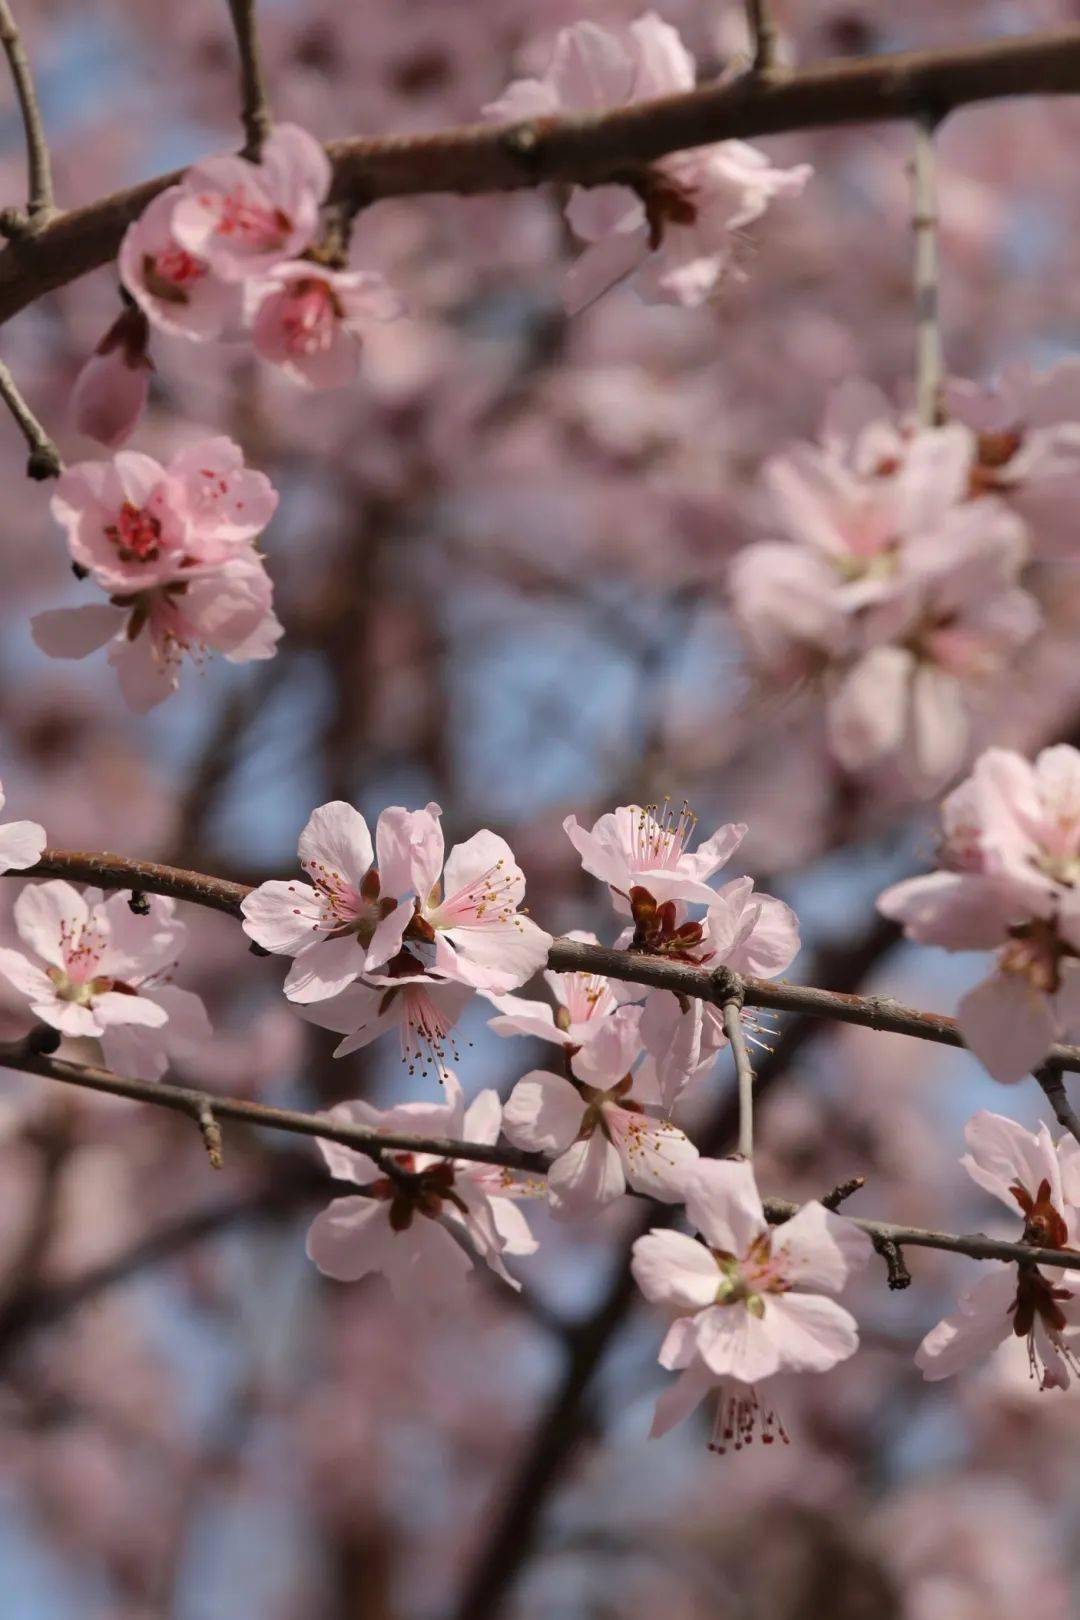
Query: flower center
[251, 223]
[309, 316]
[661, 837]
[136, 534]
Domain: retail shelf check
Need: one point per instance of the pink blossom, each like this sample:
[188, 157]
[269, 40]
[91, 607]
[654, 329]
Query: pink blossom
[110, 391]
[97, 969]
[754, 935]
[1039, 1304]
[584, 1001]
[746, 1301]
[350, 916]
[596, 1124]
[174, 288]
[643, 848]
[468, 924]
[675, 229]
[132, 523]
[228, 609]
[417, 1206]
[424, 1011]
[311, 320]
[1011, 861]
[21, 843]
[243, 219]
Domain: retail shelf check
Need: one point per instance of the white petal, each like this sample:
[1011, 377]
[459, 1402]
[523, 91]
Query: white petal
[336, 840]
[812, 1333]
[44, 912]
[21, 844]
[723, 1202]
[818, 1249]
[1008, 1025]
[282, 917]
[587, 1175]
[674, 1270]
[543, 1113]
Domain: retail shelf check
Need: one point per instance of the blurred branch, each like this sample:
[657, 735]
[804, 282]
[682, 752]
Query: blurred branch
[882, 1013]
[40, 205]
[255, 105]
[588, 149]
[44, 459]
[762, 33]
[929, 368]
[1049, 1078]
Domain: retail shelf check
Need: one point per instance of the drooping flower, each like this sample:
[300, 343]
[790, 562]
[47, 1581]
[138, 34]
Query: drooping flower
[597, 1126]
[1010, 882]
[673, 224]
[423, 1010]
[227, 609]
[351, 914]
[753, 934]
[244, 219]
[749, 1301]
[583, 1002]
[99, 970]
[1039, 1304]
[175, 289]
[310, 319]
[172, 547]
[21, 843]
[110, 391]
[416, 1205]
[646, 847]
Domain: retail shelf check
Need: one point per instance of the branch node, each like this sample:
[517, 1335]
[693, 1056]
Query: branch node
[139, 903]
[842, 1191]
[896, 1269]
[43, 1040]
[522, 141]
[203, 1111]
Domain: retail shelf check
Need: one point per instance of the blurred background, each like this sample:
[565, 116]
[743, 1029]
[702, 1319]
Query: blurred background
[501, 561]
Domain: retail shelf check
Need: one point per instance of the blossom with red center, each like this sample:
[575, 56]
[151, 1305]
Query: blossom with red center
[351, 914]
[402, 997]
[174, 288]
[99, 970]
[416, 1207]
[596, 1124]
[1040, 1305]
[671, 225]
[310, 320]
[746, 1301]
[243, 219]
[1010, 881]
[21, 843]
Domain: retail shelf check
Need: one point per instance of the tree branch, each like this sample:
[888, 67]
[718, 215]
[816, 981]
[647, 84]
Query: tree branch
[255, 105]
[40, 204]
[929, 369]
[487, 158]
[731, 1012]
[44, 460]
[762, 33]
[110, 871]
[1049, 1078]
[184, 1100]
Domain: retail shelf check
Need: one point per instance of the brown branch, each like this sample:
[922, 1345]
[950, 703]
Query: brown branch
[44, 460]
[762, 34]
[255, 105]
[487, 158]
[1049, 1078]
[882, 1013]
[376, 1144]
[40, 205]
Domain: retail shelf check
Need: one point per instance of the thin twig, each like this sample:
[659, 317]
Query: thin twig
[210, 1130]
[843, 1191]
[255, 105]
[109, 871]
[896, 1270]
[762, 33]
[376, 1144]
[929, 368]
[44, 460]
[488, 158]
[1049, 1078]
[40, 204]
[731, 1012]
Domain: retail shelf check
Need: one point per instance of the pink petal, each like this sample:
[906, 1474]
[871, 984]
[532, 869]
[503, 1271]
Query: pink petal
[1008, 1025]
[282, 917]
[674, 1270]
[336, 840]
[812, 1333]
[543, 1113]
[588, 1175]
[44, 912]
[21, 844]
[722, 1201]
[982, 1322]
[817, 1249]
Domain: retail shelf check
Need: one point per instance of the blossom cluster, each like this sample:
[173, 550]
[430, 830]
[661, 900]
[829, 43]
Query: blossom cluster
[899, 583]
[390, 931]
